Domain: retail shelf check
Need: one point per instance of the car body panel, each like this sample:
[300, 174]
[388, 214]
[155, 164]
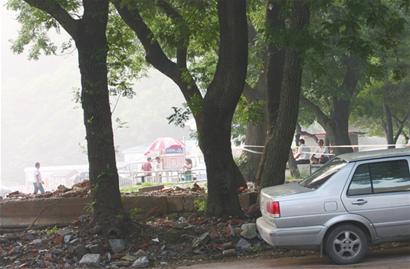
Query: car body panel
[388, 212]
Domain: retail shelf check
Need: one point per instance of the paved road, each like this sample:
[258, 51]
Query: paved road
[395, 259]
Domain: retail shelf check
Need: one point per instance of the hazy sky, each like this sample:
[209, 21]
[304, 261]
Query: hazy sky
[41, 122]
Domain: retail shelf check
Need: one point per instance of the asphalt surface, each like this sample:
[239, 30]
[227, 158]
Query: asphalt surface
[398, 258]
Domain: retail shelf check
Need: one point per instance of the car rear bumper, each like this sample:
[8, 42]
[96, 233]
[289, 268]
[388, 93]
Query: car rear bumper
[310, 236]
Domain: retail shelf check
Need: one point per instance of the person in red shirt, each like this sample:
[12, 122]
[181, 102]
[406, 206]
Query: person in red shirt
[147, 169]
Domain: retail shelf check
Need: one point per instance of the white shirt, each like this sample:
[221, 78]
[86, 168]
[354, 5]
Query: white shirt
[37, 174]
[320, 152]
[303, 152]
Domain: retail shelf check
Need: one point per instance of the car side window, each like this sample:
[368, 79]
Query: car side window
[361, 183]
[380, 177]
[391, 176]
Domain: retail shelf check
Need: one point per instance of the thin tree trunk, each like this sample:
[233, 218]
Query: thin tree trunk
[293, 167]
[92, 55]
[388, 126]
[255, 135]
[280, 139]
[255, 131]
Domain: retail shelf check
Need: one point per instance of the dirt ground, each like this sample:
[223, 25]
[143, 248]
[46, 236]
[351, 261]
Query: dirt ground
[395, 258]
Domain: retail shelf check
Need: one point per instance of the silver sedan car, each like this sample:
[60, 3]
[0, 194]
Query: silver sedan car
[354, 200]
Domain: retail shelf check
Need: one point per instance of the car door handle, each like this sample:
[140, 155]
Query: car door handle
[359, 202]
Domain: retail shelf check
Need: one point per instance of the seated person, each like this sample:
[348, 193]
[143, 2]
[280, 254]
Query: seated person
[302, 155]
[321, 154]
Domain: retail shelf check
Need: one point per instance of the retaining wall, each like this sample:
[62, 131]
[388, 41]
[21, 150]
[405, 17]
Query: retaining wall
[60, 211]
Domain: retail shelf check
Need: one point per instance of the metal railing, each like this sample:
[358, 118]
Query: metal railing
[161, 176]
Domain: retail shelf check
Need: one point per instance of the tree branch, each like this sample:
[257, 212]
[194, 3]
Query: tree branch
[182, 48]
[400, 125]
[228, 82]
[59, 13]
[321, 117]
[154, 54]
[305, 133]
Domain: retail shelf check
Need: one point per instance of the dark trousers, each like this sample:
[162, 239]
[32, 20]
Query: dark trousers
[303, 161]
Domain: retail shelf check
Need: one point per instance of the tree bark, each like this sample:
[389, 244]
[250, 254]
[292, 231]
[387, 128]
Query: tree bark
[293, 167]
[92, 56]
[336, 124]
[274, 75]
[388, 126]
[280, 138]
[339, 132]
[89, 34]
[255, 131]
[224, 177]
[214, 116]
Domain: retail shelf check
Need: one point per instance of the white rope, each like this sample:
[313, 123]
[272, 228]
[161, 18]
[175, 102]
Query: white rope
[249, 150]
[245, 148]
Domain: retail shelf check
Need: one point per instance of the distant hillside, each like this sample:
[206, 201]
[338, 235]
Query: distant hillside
[41, 122]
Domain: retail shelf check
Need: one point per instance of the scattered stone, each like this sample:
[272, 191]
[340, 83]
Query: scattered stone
[141, 262]
[202, 239]
[243, 244]
[130, 258]
[67, 238]
[75, 240]
[58, 239]
[80, 251]
[94, 248]
[230, 232]
[90, 259]
[117, 245]
[36, 241]
[140, 253]
[227, 245]
[249, 231]
[229, 252]
[64, 232]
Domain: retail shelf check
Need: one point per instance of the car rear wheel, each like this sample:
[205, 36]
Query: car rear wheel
[346, 244]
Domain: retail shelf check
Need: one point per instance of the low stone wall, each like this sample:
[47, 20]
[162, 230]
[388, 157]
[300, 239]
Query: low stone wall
[60, 211]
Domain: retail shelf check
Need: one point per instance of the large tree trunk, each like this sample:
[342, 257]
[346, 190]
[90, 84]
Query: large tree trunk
[224, 177]
[340, 132]
[213, 112]
[278, 144]
[215, 120]
[92, 55]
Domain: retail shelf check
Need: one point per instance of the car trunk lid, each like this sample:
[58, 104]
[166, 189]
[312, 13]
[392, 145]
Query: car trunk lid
[271, 194]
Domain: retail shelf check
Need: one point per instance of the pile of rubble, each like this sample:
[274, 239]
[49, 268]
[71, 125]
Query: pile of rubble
[172, 240]
[175, 190]
[81, 189]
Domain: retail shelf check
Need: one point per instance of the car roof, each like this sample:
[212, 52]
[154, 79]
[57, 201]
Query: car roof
[374, 154]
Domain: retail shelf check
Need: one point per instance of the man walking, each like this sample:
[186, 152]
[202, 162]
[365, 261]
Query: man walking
[147, 170]
[38, 181]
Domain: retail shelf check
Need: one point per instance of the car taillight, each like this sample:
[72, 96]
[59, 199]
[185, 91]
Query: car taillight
[273, 208]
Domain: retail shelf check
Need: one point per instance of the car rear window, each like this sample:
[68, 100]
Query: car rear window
[319, 177]
[380, 177]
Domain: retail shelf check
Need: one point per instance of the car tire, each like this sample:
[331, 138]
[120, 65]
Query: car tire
[346, 244]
